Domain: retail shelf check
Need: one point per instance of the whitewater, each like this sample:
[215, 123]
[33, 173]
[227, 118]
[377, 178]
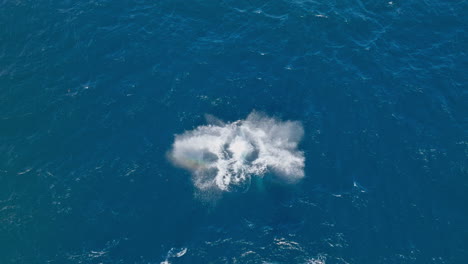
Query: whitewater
[227, 155]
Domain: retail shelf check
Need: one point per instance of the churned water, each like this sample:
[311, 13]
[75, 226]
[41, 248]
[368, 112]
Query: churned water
[227, 131]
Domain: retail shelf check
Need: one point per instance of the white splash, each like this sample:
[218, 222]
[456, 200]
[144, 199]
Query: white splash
[224, 155]
[174, 253]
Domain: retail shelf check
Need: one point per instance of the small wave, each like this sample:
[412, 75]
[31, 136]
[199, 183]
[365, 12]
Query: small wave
[227, 155]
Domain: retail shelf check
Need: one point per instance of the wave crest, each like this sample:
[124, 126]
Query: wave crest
[224, 155]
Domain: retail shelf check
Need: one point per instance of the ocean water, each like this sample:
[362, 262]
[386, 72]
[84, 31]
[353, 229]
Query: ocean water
[206, 131]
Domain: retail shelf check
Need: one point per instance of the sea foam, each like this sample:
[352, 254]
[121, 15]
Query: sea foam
[226, 155]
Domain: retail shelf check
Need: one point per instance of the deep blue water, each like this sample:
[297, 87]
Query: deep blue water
[93, 92]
